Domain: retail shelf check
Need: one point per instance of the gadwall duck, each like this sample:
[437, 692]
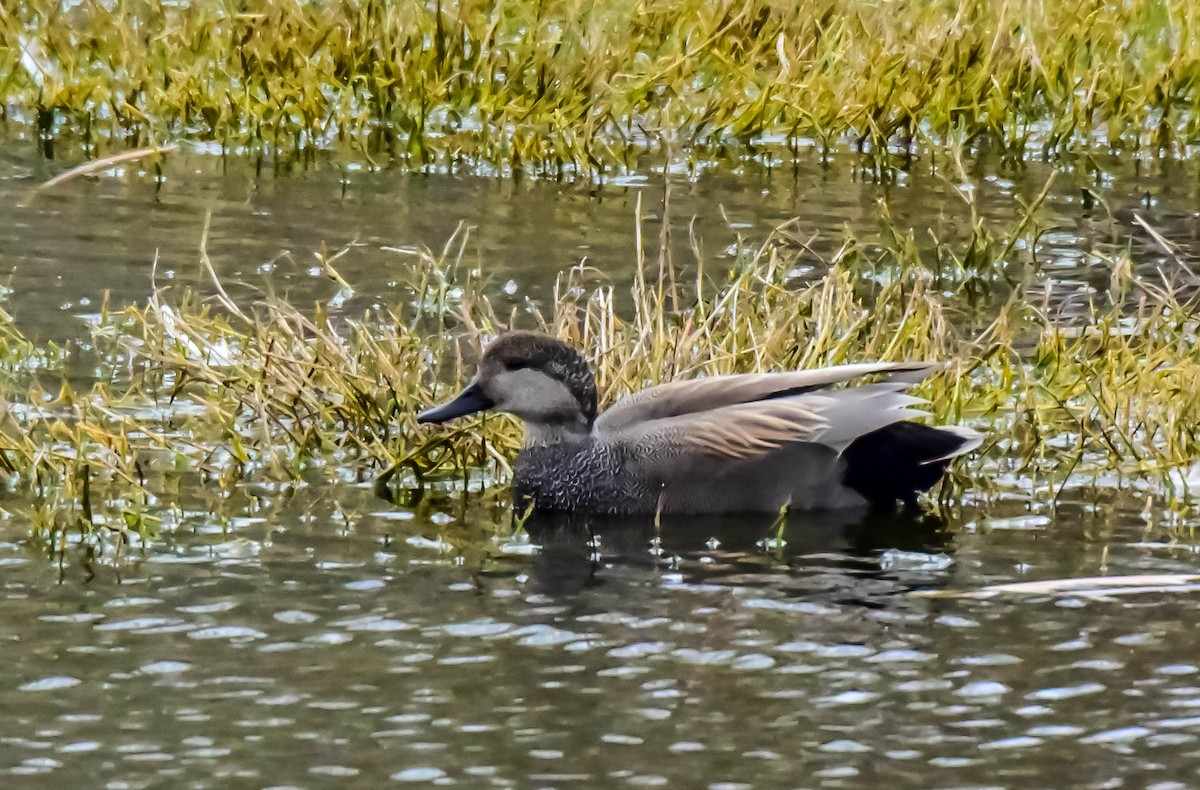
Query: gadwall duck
[754, 442]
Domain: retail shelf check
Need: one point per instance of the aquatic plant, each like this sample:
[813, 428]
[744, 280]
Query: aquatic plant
[565, 87]
[1099, 390]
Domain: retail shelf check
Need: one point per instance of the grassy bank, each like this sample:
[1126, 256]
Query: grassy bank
[1085, 390]
[566, 86]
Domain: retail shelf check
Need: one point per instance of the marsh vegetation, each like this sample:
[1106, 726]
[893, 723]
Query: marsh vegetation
[570, 87]
[1086, 387]
[1075, 388]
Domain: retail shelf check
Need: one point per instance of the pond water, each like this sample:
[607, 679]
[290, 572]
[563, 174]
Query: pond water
[326, 638]
[65, 248]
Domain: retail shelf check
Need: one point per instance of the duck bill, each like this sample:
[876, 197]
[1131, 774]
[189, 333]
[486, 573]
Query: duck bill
[468, 401]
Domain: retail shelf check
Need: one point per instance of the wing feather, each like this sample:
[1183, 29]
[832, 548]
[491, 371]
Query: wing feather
[744, 430]
[698, 396]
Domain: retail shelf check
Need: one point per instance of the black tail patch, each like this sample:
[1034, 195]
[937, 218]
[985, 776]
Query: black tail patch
[896, 462]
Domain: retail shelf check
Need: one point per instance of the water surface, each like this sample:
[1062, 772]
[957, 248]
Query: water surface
[327, 638]
[304, 648]
[66, 248]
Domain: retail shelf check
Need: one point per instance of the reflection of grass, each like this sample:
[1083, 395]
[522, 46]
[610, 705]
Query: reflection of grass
[563, 85]
[1102, 390]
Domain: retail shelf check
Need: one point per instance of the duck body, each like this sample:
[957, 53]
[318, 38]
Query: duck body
[618, 478]
[721, 444]
[583, 474]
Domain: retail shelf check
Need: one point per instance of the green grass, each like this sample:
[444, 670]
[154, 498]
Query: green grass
[563, 87]
[1096, 393]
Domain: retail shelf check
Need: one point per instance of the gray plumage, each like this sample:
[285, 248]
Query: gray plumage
[722, 444]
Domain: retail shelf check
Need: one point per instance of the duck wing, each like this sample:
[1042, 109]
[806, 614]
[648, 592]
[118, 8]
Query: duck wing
[716, 393]
[832, 418]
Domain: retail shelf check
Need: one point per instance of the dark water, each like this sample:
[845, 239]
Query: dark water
[306, 649]
[70, 245]
[330, 639]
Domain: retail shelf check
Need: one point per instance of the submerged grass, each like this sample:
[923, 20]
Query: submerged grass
[561, 87]
[1099, 392]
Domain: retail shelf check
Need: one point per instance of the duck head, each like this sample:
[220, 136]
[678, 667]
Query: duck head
[541, 380]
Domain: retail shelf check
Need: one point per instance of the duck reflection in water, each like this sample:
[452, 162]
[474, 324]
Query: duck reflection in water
[833, 555]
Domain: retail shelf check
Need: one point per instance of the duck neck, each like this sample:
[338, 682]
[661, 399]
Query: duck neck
[542, 434]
